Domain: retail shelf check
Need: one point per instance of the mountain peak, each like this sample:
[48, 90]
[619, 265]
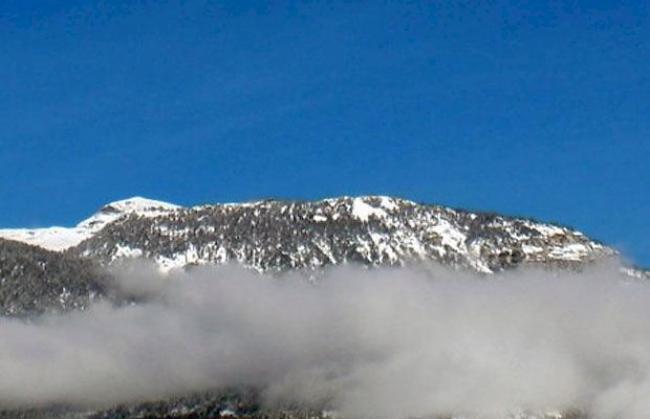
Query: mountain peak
[62, 238]
[138, 204]
[117, 209]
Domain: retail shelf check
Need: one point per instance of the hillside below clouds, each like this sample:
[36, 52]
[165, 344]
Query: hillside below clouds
[273, 235]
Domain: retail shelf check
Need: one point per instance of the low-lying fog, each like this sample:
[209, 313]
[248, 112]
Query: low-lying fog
[381, 343]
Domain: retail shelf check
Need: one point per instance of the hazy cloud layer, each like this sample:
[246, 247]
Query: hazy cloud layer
[387, 343]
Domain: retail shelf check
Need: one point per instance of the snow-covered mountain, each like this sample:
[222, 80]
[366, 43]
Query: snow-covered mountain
[272, 235]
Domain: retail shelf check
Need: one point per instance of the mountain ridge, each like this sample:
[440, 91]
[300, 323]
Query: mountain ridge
[390, 229]
[375, 230]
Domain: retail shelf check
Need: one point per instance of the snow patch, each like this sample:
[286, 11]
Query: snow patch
[450, 235]
[52, 238]
[319, 218]
[362, 211]
[126, 252]
[388, 203]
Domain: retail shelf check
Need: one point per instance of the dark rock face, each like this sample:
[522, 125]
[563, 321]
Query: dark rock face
[34, 280]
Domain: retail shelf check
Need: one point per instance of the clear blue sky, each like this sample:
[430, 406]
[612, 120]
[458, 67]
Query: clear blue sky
[528, 108]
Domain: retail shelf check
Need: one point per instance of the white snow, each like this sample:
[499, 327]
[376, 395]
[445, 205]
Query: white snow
[574, 251]
[388, 203]
[319, 218]
[52, 238]
[450, 235]
[126, 252]
[166, 264]
[547, 229]
[530, 249]
[362, 211]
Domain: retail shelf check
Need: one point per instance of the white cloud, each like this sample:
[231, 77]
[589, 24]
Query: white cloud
[380, 343]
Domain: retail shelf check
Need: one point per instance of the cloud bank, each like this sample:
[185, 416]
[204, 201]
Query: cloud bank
[382, 343]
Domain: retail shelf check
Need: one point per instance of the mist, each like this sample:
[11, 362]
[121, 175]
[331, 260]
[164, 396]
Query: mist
[370, 343]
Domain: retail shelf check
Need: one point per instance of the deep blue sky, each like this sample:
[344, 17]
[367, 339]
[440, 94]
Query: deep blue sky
[529, 108]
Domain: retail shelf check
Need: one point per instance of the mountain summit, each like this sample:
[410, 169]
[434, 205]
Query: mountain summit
[62, 238]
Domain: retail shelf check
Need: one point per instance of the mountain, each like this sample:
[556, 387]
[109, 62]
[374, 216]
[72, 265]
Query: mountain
[59, 268]
[274, 235]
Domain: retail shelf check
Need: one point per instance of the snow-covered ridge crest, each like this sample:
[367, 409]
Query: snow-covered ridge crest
[271, 235]
[276, 235]
[62, 238]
